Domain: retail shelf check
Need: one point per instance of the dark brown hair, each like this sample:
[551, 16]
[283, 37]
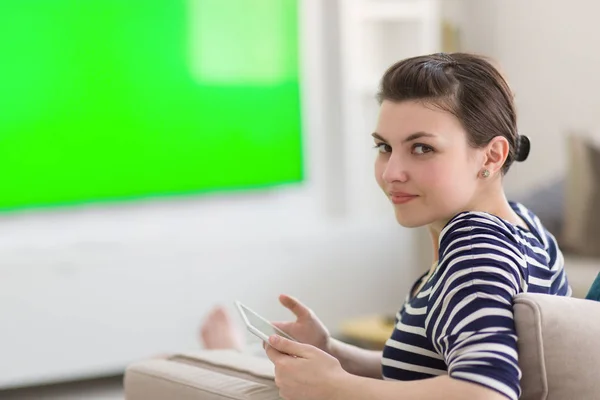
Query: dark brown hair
[466, 85]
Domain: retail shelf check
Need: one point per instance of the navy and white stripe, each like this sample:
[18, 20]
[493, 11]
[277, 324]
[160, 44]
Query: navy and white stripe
[461, 321]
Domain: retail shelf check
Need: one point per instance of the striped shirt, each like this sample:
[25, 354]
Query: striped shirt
[460, 323]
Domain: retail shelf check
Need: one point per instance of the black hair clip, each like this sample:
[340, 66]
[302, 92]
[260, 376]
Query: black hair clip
[523, 148]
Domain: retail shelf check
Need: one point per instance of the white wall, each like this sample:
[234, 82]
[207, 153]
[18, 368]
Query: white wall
[84, 292]
[79, 307]
[549, 52]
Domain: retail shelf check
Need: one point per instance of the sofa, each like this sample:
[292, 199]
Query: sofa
[559, 355]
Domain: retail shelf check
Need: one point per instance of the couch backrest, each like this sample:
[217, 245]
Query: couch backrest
[559, 347]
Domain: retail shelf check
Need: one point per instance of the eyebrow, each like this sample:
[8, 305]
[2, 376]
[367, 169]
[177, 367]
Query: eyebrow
[410, 138]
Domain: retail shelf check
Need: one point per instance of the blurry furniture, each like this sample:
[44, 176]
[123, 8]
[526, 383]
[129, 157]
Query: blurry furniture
[369, 332]
[580, 233]
[559, 354]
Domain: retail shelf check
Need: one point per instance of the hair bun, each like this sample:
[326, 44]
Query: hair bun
[523, 148]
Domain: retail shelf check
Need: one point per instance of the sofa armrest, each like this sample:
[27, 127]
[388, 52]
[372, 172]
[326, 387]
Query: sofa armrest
[559, 346]
[202, 375]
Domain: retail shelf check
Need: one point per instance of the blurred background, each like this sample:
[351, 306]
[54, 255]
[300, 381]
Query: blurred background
[161, 157]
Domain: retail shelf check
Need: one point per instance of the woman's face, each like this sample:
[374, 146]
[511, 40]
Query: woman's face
[424, 164]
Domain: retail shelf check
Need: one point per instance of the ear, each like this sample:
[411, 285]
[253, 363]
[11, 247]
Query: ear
[495, 154]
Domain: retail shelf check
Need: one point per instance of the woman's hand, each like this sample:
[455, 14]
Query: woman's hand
[304, 372]
[307, 328]
[310, 330]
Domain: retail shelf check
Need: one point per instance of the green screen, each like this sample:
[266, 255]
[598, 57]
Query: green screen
[105, 100]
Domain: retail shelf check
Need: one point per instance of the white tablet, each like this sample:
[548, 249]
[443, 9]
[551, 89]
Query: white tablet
[258, 325]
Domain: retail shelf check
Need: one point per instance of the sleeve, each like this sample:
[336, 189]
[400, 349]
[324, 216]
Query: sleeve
[470, 321]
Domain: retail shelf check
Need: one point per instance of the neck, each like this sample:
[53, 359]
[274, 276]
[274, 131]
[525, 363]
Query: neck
[494, 202]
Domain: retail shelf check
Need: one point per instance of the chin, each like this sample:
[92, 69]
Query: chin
[411, 220]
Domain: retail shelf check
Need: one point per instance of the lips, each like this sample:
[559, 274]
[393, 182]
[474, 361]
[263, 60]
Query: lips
[401, 197]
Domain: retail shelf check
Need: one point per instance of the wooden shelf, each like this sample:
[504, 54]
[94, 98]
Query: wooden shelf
[373, 330]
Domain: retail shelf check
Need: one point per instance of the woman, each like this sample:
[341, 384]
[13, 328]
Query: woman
[445, 137]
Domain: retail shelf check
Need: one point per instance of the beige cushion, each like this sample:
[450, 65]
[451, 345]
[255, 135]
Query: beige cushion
[581, 230]
[559, 347]
[202, 375]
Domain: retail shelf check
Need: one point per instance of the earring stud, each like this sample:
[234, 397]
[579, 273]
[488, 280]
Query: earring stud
[485, 173]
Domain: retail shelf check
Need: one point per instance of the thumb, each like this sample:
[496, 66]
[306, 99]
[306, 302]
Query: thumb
[299, 309]
[289, 347]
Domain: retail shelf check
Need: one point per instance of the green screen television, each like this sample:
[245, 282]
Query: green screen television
[114, 100]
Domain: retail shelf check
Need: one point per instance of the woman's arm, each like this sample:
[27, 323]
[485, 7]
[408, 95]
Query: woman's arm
[442, 387]
[469, 321]
[305, 372]
[356, 361]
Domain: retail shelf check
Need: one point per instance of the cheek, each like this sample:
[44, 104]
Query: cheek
[379, 169]
[432, 176]
[445, 182]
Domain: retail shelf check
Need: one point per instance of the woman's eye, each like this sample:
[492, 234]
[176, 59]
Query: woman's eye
[422, 149]
[383, 148]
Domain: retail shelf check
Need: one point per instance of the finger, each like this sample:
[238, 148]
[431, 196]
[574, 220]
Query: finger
[273, 354]
[289, 347]
[299, 309]
[284, 326]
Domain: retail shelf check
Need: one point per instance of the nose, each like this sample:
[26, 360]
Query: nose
[395, 170]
